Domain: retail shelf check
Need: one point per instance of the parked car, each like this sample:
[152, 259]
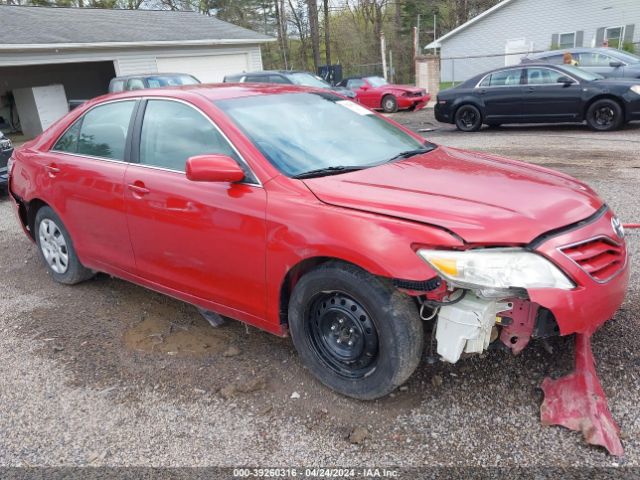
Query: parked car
[608, 62]
[297, 211]
[6, 149]
[540, 93]
[149, 80]
[288, 77]
[376, 92]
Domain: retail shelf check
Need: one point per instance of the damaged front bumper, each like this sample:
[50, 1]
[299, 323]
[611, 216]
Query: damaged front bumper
[593, 255]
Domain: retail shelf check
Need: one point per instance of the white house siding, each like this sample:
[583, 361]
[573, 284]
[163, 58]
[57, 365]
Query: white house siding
[535, 21]
[126, 61]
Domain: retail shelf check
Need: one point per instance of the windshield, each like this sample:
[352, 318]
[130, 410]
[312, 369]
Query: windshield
[581, 74]
[376, 81]
[317, 131]
[626, 56]
[157, 81]
[308, 80]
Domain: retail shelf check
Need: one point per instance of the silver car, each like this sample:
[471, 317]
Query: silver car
[608, 62]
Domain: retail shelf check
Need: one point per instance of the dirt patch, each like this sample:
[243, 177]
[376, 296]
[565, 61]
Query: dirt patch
[160, 335]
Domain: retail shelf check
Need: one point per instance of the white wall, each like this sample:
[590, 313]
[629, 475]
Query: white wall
[127, 60]
[535, 21]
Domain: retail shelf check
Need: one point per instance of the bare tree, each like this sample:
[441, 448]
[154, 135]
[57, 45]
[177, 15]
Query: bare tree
[312, 11]
[327, 33]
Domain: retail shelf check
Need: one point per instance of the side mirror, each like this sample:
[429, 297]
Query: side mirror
[566, 81]
[616, 64]
[213, 168]
[364, 87]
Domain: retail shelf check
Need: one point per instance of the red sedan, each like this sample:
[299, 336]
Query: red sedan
[376, 92]
[333, 223]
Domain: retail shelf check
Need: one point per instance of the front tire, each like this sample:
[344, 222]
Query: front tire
[355, 332]
[389, 104]
[605, 115]
[56, 249]
[468, 118]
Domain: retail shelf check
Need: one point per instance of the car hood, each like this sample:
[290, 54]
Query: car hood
[481, 198]
[406, 88]
[616, 82]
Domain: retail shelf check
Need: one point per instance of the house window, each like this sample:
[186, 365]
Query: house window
[567, 40]
[613, 36]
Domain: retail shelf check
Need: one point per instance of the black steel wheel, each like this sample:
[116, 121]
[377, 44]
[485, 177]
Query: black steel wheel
[468, 118]
[605, 115]
[343, 334]
[355, 332]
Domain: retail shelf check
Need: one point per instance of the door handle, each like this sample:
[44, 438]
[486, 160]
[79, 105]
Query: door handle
[138, 189]
[52, 170]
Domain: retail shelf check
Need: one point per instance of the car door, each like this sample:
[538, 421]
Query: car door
[546, 98]
[356, 85]
[84, 172]
[202, 239]
[369, 95]
[501, 93]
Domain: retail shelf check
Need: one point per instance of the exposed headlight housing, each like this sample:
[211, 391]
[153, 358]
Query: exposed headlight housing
[496, 268]
[636, 89]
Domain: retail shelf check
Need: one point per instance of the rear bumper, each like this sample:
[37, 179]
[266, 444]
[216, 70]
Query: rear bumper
[586, 307]
[4, 180]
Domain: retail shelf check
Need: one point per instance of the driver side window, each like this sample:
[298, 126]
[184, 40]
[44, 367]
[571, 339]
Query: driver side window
[355, 83]
[172, 132]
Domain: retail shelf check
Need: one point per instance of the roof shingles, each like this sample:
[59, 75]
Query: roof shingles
[42, 25]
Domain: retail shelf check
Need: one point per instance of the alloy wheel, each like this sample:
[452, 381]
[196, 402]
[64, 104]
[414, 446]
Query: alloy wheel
[604, 116]
[53, 246]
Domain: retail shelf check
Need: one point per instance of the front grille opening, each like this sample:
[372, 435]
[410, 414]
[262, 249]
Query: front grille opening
[601, 258]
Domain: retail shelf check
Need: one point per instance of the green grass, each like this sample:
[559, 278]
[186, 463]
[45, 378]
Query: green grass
[445, 85]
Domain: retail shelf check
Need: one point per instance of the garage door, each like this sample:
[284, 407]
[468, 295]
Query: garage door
[206, 68]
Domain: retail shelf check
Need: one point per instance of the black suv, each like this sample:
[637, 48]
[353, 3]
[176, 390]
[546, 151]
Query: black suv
[288, 77]
[6, 149]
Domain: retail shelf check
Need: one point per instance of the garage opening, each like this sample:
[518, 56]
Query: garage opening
[80, 82]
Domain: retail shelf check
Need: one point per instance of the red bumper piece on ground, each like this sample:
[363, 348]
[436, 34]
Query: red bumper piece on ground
[577, 401]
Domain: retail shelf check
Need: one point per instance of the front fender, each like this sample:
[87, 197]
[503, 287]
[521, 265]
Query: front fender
[301, 227]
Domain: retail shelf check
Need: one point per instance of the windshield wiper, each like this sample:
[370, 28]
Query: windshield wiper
[412, 153]
[321, 172]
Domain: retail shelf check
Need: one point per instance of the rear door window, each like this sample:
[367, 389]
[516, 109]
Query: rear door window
[505, 78]
[101, 132]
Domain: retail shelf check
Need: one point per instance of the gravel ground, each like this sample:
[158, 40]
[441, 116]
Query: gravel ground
[107, 373]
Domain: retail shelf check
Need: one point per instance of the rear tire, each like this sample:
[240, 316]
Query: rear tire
[355, 332]
[605, 115]
[468, 118]
[389, 104]
[56, 249]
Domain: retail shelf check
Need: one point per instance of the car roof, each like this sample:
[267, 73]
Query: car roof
[144, 75]
[561, 51]
[521, 65]
[268, 72]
